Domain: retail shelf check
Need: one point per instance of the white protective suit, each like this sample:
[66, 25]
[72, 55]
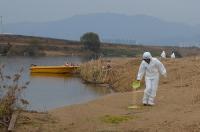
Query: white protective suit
[151, 71]
[173, 56]
[163, 54]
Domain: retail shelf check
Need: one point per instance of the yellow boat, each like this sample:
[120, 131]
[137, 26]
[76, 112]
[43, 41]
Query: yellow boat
[54, 69]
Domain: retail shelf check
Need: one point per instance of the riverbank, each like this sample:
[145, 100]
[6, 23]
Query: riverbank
[177, 108]
[21, 45]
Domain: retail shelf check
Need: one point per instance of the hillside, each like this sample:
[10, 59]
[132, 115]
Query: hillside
[112, 27]
[20, 45]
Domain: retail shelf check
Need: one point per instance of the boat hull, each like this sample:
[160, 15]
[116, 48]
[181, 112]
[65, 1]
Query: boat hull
[54, 69]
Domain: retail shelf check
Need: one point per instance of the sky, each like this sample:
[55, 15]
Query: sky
[14, 11]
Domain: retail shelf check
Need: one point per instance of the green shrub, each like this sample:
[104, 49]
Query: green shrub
[91, 41]
[115, 119]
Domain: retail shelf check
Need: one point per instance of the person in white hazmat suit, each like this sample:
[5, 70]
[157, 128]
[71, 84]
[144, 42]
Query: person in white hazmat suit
[163, 55]
[152, 68]
[173, 56]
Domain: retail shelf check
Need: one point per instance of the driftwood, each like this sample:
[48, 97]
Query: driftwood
[13, 121]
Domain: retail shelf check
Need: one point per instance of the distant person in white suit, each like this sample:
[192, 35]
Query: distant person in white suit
[163, 55]
[173, 55]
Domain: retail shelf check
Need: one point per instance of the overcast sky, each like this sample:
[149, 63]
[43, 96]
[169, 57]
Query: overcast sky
[185, 11]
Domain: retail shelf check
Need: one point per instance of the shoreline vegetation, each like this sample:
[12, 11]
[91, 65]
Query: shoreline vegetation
[116, 74]
[11, 100]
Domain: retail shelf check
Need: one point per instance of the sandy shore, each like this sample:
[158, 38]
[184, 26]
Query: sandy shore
[177, 108]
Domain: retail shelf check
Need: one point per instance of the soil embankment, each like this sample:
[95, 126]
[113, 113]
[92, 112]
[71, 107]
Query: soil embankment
[20, 45]
[177, 108]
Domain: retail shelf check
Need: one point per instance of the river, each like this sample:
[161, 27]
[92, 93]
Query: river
[47, 92]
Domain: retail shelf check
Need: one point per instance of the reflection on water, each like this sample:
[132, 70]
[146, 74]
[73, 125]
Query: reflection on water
[47, 91]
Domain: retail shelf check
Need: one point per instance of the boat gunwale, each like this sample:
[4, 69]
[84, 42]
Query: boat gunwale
[53, 67]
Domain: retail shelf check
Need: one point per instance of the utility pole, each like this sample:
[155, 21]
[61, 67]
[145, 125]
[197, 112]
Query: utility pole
[1, 24]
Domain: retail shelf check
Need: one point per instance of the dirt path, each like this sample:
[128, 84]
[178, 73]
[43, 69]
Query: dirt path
[177, 108]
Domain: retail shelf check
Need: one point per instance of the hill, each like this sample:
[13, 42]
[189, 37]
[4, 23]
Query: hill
[113, 28]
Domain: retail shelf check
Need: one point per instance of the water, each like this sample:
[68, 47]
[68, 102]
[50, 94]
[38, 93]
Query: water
[51, 91]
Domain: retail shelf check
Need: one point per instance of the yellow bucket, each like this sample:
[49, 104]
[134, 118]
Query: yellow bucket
[136, 84]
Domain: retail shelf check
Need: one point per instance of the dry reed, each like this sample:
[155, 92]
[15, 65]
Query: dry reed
[11, 89]
[118, 73]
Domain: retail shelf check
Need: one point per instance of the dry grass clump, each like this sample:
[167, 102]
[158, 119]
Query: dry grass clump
[11, 100]
[118, 73]
[95, 71]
